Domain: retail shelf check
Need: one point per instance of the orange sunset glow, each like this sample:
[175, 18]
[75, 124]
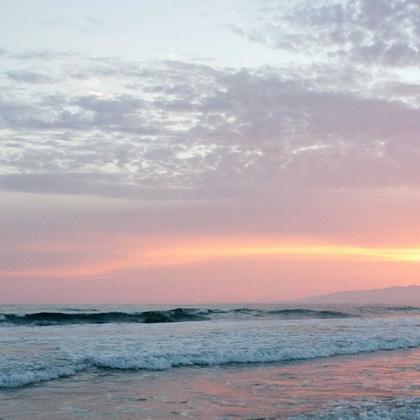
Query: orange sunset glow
[126, 253]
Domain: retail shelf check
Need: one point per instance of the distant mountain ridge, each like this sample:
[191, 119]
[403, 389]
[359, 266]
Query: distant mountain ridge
[409, 295]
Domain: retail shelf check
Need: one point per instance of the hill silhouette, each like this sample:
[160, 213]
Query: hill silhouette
[409, 295]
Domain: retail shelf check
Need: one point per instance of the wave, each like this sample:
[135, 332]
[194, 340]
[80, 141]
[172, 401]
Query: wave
[402, 308]
[152, 317]
[203, 357]
[19, 379]
[295, 313]
[381, 308]
[147, 317]
[311, 313]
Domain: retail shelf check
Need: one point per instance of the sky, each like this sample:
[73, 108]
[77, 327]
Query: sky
[185, 151]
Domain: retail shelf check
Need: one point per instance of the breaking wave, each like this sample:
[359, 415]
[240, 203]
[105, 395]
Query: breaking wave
[161, 360]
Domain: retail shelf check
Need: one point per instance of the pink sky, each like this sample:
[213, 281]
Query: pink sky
[253, 153]
[116, 251]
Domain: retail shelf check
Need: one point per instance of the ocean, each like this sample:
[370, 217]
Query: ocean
[209, 362]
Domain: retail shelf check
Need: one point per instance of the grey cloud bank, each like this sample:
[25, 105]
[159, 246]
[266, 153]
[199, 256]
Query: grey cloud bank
[339, 122]
[175, 125]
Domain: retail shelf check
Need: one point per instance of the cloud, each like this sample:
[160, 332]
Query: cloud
[381, 32]
[29, 77]
[44, 55]
[102, 157]
[176, 129]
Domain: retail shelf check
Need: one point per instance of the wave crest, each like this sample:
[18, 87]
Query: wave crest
[153, 317]
[148, 317]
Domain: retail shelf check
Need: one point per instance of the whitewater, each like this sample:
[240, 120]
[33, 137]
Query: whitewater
[217, 361]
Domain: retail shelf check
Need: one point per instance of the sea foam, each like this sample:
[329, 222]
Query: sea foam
[395, 409]
[64, 351]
